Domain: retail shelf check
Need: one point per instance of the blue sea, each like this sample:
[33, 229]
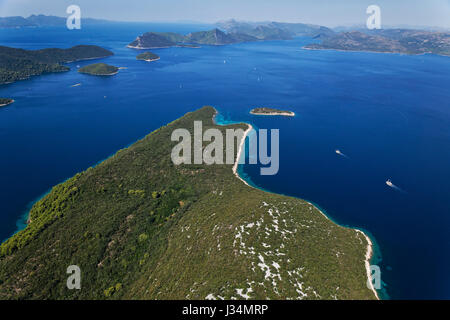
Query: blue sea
[388, 113]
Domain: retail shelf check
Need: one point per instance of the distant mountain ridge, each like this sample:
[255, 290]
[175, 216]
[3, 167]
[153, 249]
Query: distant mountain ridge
[41, 21]
[357, 38]
[388, 40]
[273, 30]
[230, 32]
[406, 41]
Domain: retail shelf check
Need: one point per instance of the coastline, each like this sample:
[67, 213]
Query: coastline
[188, 46]
[147, 48]
[149, 60]
[290, 114]
[7, 104]
[101, 75]
[369, 248]
[24, 219]
[381, 52]
[369, 251]
[26, 215]
[369, 254]
[85, 59]
[239, 154]
[174, 46]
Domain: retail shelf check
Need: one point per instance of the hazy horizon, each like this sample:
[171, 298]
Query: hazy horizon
[433, 13]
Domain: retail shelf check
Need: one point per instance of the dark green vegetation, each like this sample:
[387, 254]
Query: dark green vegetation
[140, 227]
[271, 111]
[5, 101]
[390, 40]
[99, 69]
[40, 21]
[147, 56]
[19, 64]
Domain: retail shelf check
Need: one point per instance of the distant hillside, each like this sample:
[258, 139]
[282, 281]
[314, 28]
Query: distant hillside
[41, 21]
[230, 32]
[274, 30]
[269, 33]
[217, 37]
[152, 40]
[140, 227]
[15, 22]
[389, 40]
[19, 64]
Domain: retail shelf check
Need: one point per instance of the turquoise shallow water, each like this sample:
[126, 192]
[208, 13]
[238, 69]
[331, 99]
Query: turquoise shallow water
[389, 113]
[376, 257]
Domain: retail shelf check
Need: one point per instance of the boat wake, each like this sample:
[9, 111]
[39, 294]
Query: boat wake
[341, 154]
[393, 186]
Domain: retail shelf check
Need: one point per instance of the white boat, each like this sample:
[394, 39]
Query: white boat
[389, 183]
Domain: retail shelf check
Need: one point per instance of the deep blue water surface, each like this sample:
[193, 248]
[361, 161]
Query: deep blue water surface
[389, 113]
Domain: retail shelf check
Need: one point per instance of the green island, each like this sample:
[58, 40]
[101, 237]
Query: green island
[5, 101]
[148, 56]
[20, 64]
[99, 69]
[140, 227]
[271, 112]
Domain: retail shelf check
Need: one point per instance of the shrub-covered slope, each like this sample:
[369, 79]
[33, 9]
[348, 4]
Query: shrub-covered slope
[140, 227]
[19, 64]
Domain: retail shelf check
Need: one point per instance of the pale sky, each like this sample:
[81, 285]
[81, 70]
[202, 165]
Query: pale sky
[324, 12]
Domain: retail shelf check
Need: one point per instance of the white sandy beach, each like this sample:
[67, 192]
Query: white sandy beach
[369, 250]
[239, 153]
[369, 253]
